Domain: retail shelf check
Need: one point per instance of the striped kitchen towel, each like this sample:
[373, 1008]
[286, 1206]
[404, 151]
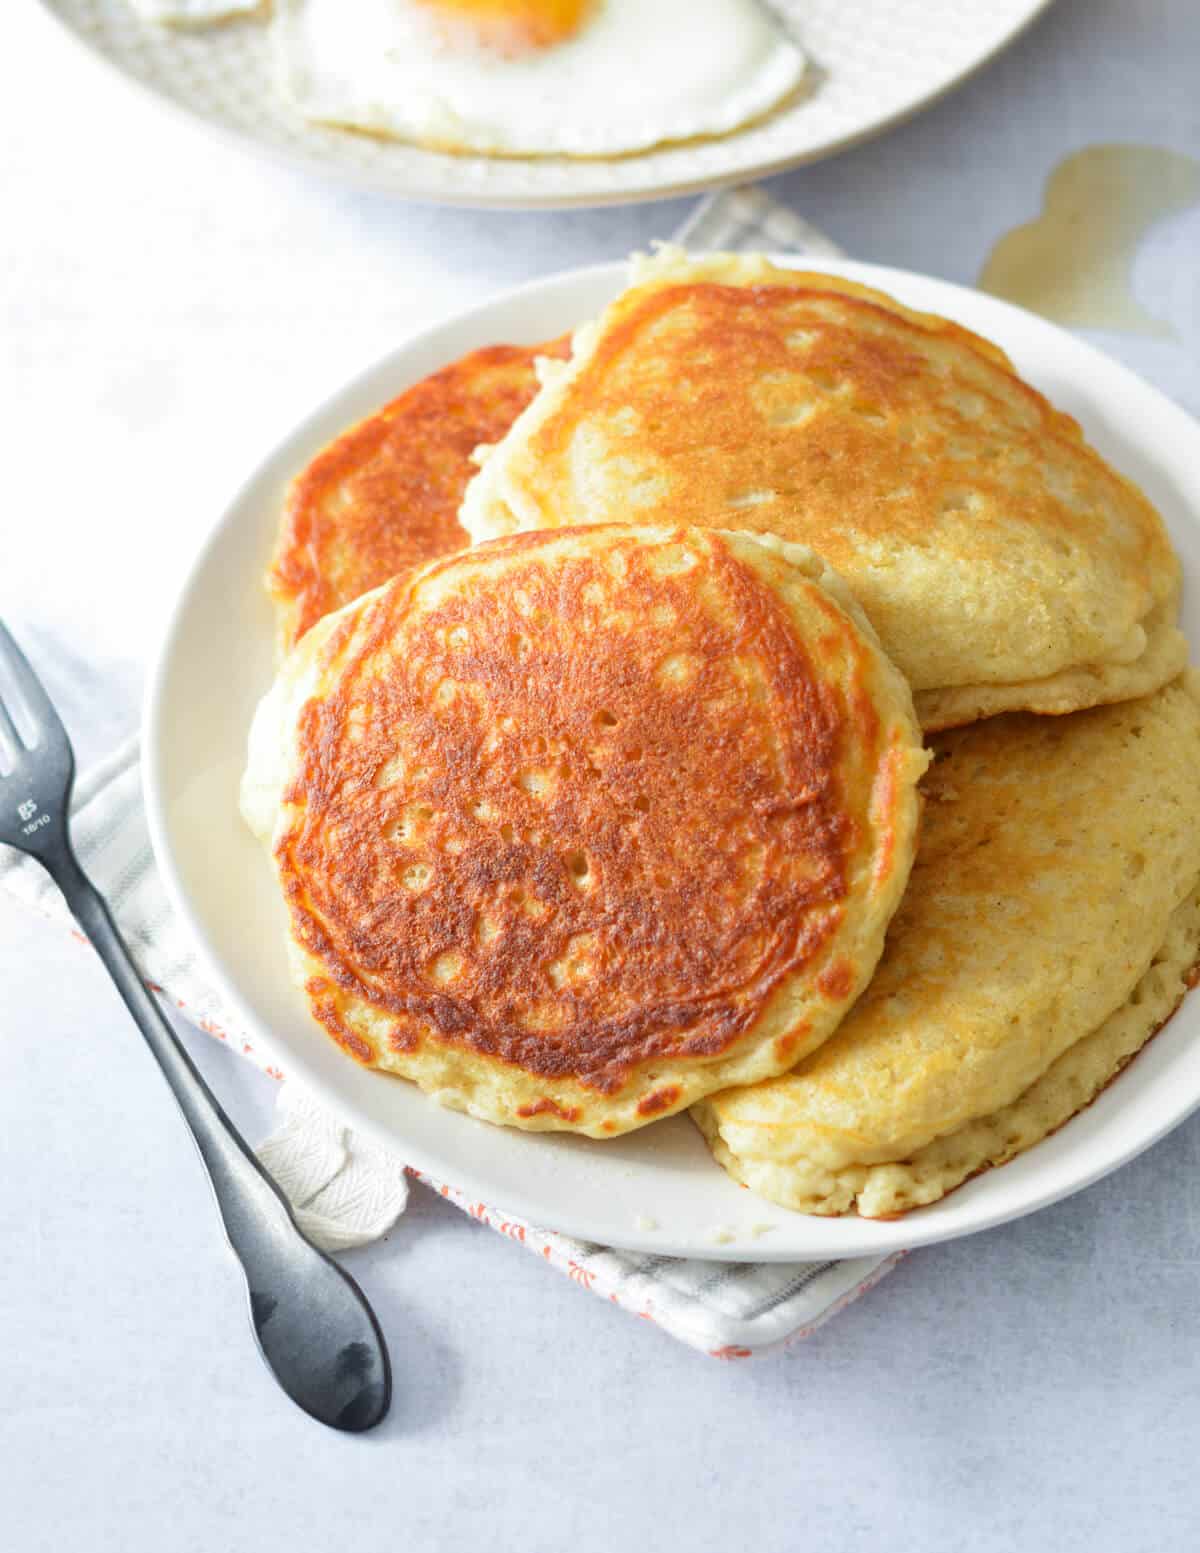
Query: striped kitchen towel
[347, 1191]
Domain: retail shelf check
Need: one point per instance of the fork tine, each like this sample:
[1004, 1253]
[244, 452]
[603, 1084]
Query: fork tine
[29, 687]
[10, 740]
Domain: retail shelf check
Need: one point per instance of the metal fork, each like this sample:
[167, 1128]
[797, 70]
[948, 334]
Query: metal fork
[313, 1325]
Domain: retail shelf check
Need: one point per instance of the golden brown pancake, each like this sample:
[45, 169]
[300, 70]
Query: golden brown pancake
[574, 828]
[385, 495]
[1050, 925]
[1003, 563]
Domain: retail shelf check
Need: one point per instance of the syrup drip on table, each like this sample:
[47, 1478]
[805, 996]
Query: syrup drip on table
[1074, 263]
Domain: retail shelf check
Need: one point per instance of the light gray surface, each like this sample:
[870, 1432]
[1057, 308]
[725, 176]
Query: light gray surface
[170, 307]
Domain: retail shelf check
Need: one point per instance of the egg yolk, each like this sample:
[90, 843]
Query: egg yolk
[511, 26]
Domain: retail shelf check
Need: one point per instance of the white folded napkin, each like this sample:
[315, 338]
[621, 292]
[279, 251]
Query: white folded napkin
[347, 1191]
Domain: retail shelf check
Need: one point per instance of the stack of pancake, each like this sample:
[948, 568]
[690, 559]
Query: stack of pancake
[618, 810]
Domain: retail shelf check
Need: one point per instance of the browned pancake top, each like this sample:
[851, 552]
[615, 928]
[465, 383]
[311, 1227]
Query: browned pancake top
[986, 541]
[385, 495]
[576, 801]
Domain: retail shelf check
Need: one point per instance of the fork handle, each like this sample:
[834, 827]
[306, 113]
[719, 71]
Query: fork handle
[232, 1169]
[314, 1327]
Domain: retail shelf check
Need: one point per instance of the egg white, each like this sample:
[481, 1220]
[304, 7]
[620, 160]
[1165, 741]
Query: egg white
[195, 13]
[638, 73]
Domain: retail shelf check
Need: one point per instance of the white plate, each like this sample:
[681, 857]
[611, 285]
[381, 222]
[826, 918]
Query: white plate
[217, 660]
[872, 62]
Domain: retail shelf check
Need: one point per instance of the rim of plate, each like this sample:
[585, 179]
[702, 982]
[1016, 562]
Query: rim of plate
[715, 162]
[1070, 1159]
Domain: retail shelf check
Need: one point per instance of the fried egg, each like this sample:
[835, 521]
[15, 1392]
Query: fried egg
[534, 77]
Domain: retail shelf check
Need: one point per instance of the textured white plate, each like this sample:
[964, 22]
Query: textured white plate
[217, 660]
[872, 62]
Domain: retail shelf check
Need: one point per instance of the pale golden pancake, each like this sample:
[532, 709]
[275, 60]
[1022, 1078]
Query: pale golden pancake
[578, 827]
[1003, 563]
[1050, 925]
[384, 496]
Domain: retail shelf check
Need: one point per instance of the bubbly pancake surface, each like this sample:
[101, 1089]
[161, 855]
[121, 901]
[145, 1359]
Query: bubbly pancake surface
[996, 554]
[1051, 921]
[385, 495]
[576, 827]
